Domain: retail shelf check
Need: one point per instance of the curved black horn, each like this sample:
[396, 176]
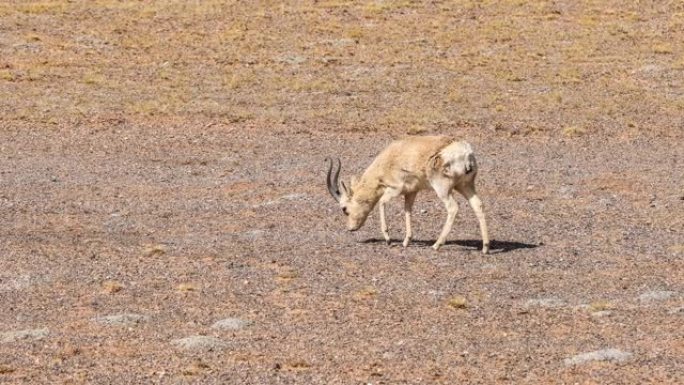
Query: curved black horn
[333, 182]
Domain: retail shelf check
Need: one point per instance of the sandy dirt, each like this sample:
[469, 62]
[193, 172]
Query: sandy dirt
[169, 223]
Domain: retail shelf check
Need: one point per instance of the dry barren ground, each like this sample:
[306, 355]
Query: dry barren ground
[164, 219]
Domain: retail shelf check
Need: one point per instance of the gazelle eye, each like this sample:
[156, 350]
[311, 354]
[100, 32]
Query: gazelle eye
[344, 210]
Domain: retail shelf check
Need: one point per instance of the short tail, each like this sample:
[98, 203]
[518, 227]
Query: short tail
[454, 160]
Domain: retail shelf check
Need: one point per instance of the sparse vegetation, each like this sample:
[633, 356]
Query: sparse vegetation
[366, 292]
[4, 369]
[395, 70]
[111, 287]
[457, 302]
[574, 131]
[597, 306]
[186, 287]
[154, 250]
[162, 210]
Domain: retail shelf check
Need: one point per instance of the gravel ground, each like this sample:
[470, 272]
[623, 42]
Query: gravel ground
[164, 217]
[135, 253]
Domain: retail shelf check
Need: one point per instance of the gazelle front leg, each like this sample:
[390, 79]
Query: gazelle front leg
[409, 199]
[475, 202]
[452, 209]
[386, 197]
[383, 222]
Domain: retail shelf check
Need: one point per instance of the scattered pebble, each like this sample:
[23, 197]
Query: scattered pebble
[656, 295]
[601, 313]
[154, 250]
[14, 283]
[200, 343]
[551, 302]
[29, 334]
[292, 59]
[253, 234]
[126, 319]
[282, 199]
[339, 42]
[567, 192]
[615, 355]
[231, 324]
[678, 310]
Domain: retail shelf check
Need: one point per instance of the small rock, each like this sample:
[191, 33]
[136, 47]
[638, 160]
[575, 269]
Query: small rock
[254, 234]
[656, 295]
[615, 355]
[200, 343]
[126, 319]
[605, 202]
[435, 293]
[601, 313]
[339, 42]
[231, 324]
[567, 192]
[282, 199]
[14, 283]
[29, 334]
[650, 68]
[292, 59]
[678, 310]
[550, 303]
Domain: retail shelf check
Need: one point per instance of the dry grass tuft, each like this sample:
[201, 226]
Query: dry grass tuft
[7, 75]
[296, 365]
[287, 275]
[457, 302]
[154, 250]
[367, 292]
[416, 130]
[574, 131]
[5, 369]
[663, 49]
[94, 79]
[186, 287]
[676, 249]
[111, 287]
[197, 367]
[600, 306]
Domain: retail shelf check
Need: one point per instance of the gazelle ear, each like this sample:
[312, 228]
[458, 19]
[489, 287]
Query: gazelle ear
[346, 190]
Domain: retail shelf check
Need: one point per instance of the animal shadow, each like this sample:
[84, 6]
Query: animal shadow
[494, 246]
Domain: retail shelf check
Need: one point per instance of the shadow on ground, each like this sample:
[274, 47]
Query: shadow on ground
[494, 246]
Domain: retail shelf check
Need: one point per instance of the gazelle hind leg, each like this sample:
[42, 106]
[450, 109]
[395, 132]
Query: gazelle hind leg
[409, 199]
[475, 202]
[446, 195]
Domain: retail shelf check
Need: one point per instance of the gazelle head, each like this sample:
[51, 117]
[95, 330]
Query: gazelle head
[356, 210]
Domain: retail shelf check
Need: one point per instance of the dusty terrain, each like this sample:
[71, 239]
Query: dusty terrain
[162, 162]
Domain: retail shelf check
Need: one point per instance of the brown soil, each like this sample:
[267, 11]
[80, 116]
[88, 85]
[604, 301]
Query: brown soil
[166, 160]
